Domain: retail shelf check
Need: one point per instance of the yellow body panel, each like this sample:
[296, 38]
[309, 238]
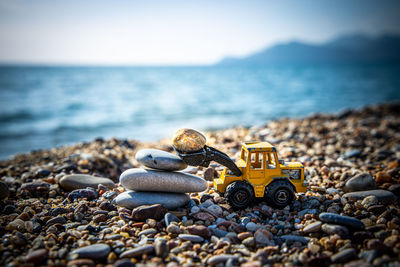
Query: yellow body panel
[260, 166]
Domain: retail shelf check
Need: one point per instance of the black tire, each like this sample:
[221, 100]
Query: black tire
[279, 194]
[239, 195]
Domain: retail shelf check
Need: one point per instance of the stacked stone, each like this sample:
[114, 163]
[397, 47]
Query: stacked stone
[160, 182]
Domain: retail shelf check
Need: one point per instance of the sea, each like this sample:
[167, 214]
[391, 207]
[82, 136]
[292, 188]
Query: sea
[50, 106]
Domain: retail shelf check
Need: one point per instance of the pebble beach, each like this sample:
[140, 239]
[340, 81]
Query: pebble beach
[77, 206]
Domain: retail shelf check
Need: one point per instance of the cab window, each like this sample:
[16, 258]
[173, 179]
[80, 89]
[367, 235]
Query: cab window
[244, 155]
[271, 161]
[257, 161]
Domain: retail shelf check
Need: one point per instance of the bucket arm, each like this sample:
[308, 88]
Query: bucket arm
[207, 154]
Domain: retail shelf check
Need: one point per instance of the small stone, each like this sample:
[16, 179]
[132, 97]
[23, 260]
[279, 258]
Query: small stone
[344, 255]
[369, 201]
[215, 209]
[133, 253]
[96, 251]
[132, 199]
[81, 262]
[124, 263]
[376, 209]
[3, 190]
[58, 211]
[188, 140]
[36, 188]
[149, 231]
[161, 249]
[296, 238]
[332, 229]
[36, 256]
[195, 209]
[142, 213]
[17, 224]
[222, 258]
[263, 237]
[325, 170]
[100, 218]
[173, 229]
[58, 219]
[352, 154]
[199, 230]
[204, 216]
[312, 227]
[249, 242]
[313, 248]
[88, 193]
[161, 160]
[252, 226]
[334, 218]
[82, 181]
[360, 182]
[218, 232]
[383, 177]
[191, 238]
[244, 235]
[169, 217]
[384, 196]
[151, 180]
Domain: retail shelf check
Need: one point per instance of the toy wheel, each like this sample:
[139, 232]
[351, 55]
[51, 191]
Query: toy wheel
[239, 195]
[280, 194]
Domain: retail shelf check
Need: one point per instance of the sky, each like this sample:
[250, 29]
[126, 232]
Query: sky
[122, 32]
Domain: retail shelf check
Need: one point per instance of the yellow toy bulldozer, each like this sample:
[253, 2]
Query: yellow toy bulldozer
[257, 174]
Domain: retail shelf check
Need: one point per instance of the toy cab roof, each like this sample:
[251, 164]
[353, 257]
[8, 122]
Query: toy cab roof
[258, 146]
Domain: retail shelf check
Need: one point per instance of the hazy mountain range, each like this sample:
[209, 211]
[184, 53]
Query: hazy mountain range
[347, 49]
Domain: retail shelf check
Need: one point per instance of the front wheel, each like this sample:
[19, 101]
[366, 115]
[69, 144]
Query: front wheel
[279, 194]
[239, 195]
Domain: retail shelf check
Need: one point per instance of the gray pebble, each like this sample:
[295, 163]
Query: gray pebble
[334, 218]
[191, 238]
[384, 196]
[335, 229]
[97, 251]
[161, 160]
[360, 182]
[132, 199]
[151, 180]
[344, 255]
[137, 251]
[81, 181]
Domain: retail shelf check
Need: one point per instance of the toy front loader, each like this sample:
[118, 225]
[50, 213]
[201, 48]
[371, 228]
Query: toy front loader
[207, 154]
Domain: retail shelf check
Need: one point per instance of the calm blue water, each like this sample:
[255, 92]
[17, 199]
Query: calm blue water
[43, 107]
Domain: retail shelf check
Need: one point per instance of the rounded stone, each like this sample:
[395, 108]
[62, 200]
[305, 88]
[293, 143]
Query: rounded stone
[383, 196]
[132, 199]
[96, 251]
[334, 218]
[151, 180]
[344, 255]
[81, 181]
[360, 182]
[312, 227]
[137, 251]
[188, 140]
[191, 238]
[160, 160]
[335, 229]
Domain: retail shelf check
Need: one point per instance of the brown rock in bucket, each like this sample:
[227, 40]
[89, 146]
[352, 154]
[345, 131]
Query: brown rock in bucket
[188, 140]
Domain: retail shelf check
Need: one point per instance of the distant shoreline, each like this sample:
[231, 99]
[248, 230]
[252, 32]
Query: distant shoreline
[164, 143]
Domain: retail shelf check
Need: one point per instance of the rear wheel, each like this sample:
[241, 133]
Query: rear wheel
[279, 194]
[239, 195]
